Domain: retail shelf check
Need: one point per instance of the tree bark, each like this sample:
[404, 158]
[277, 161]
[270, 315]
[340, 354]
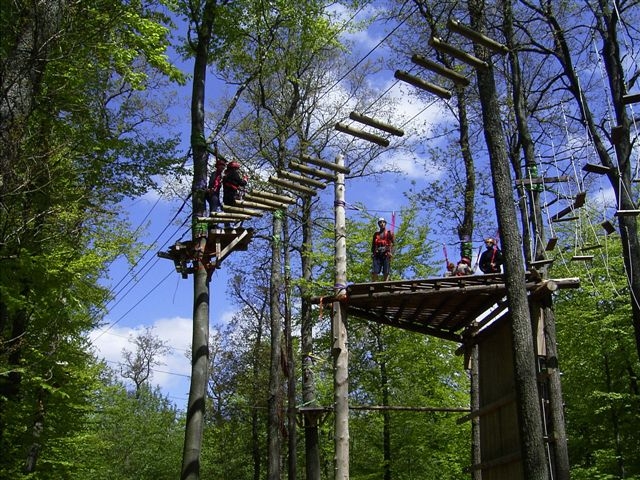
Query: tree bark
[311, 442]
[200, 337]
[529, 415]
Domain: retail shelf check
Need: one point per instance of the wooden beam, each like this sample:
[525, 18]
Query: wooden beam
[292, 186]
[443, 47]
[270, 196]
[312, 171]
[581, 258]
[457, 78]
[216, 217]
[476, 37]
[608, 227]
[631, 98]
[577, 203]
[321, 163]
[372, 122]
[273, 204]
[241, 210]
[541, 263]
[423, 84]
[378, 140]
[627, 213]
[259, 205]
[308, 181]
[537, 180]
[595, 168]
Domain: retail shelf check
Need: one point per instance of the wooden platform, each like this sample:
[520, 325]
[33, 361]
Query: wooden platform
[220, 242]
[443, 307]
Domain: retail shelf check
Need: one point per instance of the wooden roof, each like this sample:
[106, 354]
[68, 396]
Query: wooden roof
[443, 307]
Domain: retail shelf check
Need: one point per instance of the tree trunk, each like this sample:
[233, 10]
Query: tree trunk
[529, 414]
[476, 452]
[386, 415]
[556, 404]
[620, 174]
[292, 443]
[275, 372]
[311, 442]
[200, 337]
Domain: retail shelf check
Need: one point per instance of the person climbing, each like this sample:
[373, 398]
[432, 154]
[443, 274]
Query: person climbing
[232, 184]
[381, 251]
[491, 258]
[214, 186]
[463, 267]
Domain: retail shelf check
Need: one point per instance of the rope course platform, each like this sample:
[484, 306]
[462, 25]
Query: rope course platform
[444, 307]
[220, 242]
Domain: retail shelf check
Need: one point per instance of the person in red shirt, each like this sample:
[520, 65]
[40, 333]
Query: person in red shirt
[381, 251]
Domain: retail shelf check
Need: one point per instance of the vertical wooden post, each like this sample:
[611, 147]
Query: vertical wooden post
[339, 336]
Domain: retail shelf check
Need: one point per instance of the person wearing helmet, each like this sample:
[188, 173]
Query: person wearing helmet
[491, 258]
[215, 184]
[463, 267]
[232, 184]
[381, 251]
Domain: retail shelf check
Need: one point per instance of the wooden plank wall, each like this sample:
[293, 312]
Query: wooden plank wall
[499, 436]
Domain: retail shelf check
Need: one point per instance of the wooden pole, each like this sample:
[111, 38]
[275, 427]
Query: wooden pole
[339, 337]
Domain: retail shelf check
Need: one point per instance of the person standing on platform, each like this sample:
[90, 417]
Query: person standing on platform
[491, 258]
[214, 187]
[381, 251]
[232, 184]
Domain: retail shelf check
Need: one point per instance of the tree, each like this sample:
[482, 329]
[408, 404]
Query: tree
[73, 142]
[138, 365]
[600, 372]
[613, 145]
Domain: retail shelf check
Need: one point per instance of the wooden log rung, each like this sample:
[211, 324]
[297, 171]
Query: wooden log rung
[372, 122]
[321, 163]
[457, 78]
[587, 248]
[443, 47]
[270, 196]
[540, 263]
[581, 258]
[423, 84]
[331, 177]
[627, 213]
[292, 186]
[551, 244]
[476, 37]
[595, 168]
[241, 210]
[631, 98]
[216, 217]
[356, 132]
[309, 182]
[259, 205]
[537, 180]
[608, 227]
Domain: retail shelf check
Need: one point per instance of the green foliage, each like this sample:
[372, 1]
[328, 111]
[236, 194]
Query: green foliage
[600, 368]
[125, 437]
[76, 137]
